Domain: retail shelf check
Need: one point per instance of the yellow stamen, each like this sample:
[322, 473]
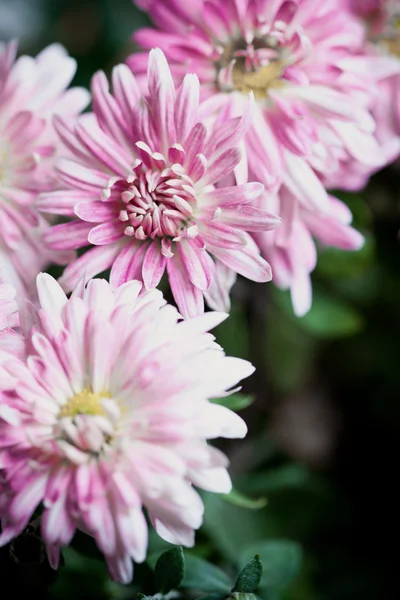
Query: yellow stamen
[258, 81]
[3, 160]
[84, 403]
[393, 45]
[391, 40]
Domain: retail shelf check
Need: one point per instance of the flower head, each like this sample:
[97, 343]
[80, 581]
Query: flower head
[142, 189]
[32, 90]
[312, 104]
[381, 19]
[110, 413]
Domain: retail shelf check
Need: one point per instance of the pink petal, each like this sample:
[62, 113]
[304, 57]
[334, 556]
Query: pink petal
[153, 266]
[246, 262]
[120, 269]
[195, 262]
[68, 236]
[96, 211]
[62, 202]
[221, 167]
[104, 148]
[91, 263]
[234, 195]
[188, 298]
[249, 218]
[186, 106]
[106, 233]
[83, 178]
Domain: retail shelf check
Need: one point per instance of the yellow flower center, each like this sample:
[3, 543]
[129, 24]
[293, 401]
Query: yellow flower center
[84, 403]
[252, 71]
[258, 82]
[391, 37]
[3, 164]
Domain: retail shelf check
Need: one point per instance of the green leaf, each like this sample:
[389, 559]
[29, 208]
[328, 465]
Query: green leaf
[170, 570]
[80, 578]
[230, 527]
[204, 576]
[233, 334]
[329, 317]
[289, 476]
[238, 499]
[250, 577]
[281, 561]
[362, 214]
[235, 402]
[336, 263]
[289, 351]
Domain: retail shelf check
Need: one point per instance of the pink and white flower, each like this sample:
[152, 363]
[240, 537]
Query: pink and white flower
[291, 249]
[142, 189]
[110, 413]
[381, 19]
[312, 114]
[32, 90]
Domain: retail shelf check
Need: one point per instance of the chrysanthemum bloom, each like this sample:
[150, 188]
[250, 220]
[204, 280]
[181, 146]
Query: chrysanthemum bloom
[381, 19]
[312, 106]
[142, 190]
[110, 413]
[32, 90]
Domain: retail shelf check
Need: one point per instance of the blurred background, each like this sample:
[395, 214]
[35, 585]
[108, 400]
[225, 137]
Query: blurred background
[325, 422]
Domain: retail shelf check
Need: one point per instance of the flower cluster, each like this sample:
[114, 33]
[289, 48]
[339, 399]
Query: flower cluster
[210, 156]
[307, 63]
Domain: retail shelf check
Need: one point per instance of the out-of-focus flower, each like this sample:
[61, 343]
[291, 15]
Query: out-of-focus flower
[312, 115]
[291, 249]
[142, 189]
[381, 19]
[32, 90]
[110, 412]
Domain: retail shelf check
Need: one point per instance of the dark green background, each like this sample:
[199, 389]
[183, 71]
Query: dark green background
[324, 427]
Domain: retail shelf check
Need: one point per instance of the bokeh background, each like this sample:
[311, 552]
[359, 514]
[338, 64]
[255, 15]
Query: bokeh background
[324, 426]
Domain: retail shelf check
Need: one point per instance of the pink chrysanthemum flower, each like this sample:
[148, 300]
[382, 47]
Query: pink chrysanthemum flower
[110, 413]
[381, 19]
[32, 90]
[142, 188]
[312, 112]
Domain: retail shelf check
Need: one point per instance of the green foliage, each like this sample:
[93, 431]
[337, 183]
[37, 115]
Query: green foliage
[170, 570]
[278, 479]
[249, 578]
[233, 334]
[235, 402]
[328, 318]
[238, 499]
[281, 562]
[202, 575]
